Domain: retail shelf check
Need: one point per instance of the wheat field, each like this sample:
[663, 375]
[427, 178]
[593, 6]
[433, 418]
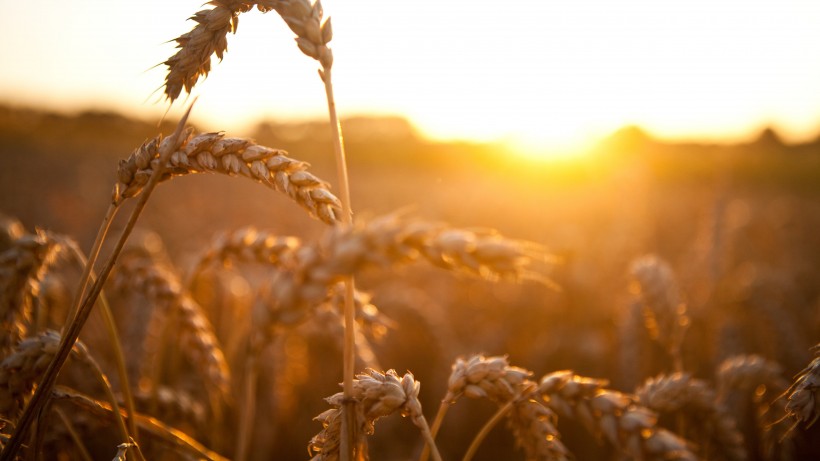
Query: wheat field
[436, 304]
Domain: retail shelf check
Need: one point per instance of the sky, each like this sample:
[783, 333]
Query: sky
[545, 75]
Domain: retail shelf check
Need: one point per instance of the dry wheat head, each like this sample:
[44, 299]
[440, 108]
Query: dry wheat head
[617, 417]
[214, 153]
[161, 287]
[377, 395]
[681, 394]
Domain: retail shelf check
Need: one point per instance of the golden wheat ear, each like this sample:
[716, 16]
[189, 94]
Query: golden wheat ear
[804, 394]
[376, 395]
[215, 153]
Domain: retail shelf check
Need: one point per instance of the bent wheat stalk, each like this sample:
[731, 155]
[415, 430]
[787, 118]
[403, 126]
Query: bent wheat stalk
[177, 439]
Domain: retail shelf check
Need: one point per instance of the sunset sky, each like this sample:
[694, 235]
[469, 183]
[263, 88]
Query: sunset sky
[552, 75]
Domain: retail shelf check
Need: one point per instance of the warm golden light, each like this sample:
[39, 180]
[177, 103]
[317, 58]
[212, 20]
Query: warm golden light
[545, 76]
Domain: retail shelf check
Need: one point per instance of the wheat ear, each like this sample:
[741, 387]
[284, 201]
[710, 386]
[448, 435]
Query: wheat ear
[624, 423]
[214, 153]
[679, 393]
[804, 395]
[376, 395]
[162, 287]
[207, 38]
[22, 267]
[390, 240]
[751, 378]
[253, 246]
[532, 424]
[664, 311]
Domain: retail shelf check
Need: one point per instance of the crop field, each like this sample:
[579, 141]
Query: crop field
[441, 300]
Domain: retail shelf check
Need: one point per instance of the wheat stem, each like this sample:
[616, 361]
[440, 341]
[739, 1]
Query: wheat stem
[349, 359]
[174, 437]
[114, 341]
[488, 426]
[442, 411]
[109, 393]
[110, 213]
[248, 413]
[72, 432]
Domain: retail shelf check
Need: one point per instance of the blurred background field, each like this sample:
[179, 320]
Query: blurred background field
[738, 223]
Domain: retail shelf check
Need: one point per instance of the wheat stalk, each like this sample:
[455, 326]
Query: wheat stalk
[214, 153]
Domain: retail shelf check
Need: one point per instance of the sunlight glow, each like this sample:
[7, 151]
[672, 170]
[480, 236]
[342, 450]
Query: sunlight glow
[546, 76]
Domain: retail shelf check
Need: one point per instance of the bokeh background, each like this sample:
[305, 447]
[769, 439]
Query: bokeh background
[602, 130]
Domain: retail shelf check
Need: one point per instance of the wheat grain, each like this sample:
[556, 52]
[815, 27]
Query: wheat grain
[214, 153]
[681, 394]
[312, 34]
[207, 38]
[625, 424]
